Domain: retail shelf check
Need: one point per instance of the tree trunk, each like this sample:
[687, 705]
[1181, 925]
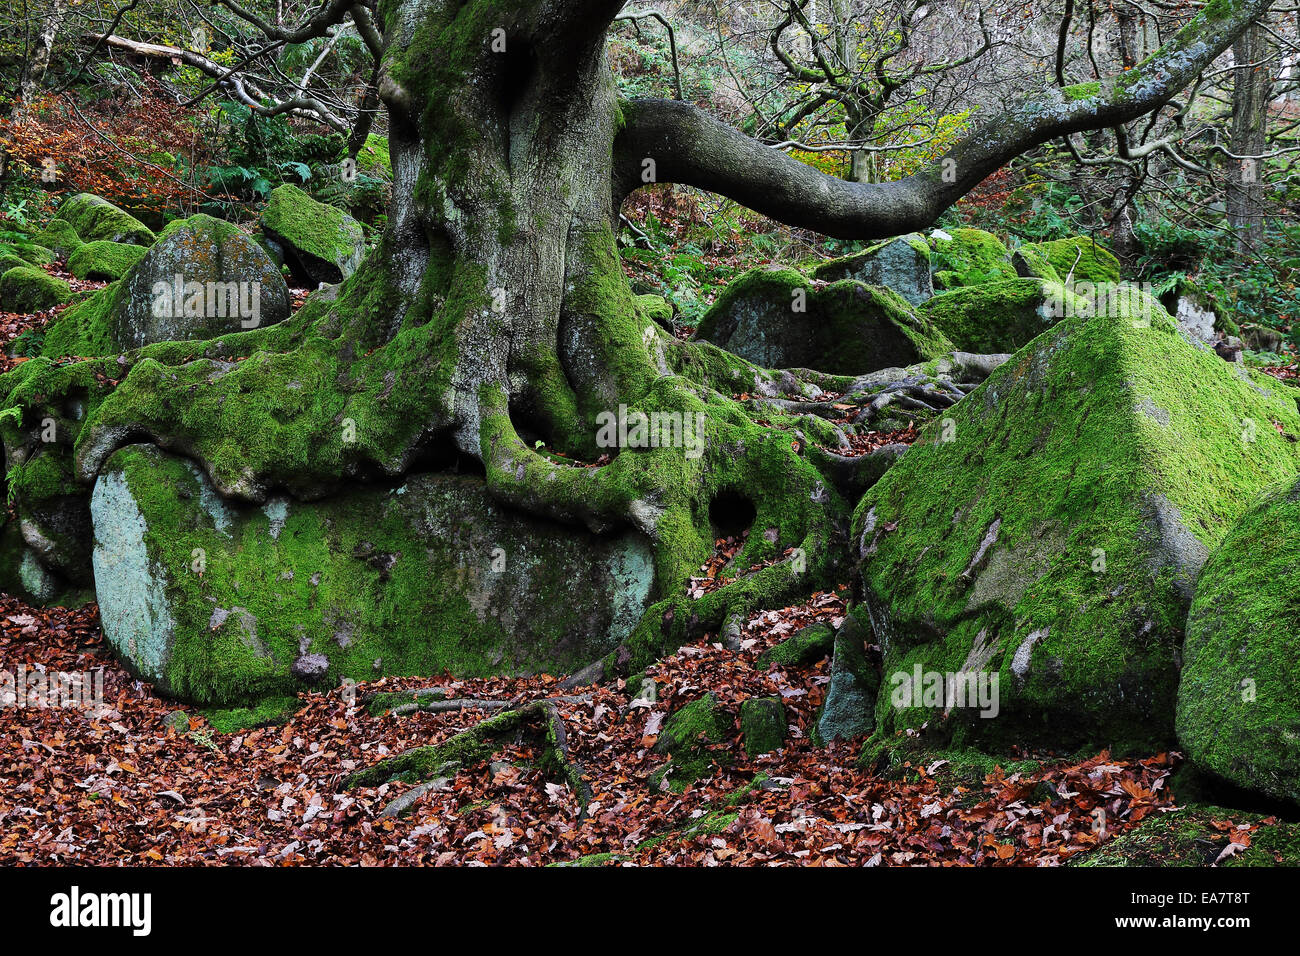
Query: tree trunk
[1251, 85]
[40, 59]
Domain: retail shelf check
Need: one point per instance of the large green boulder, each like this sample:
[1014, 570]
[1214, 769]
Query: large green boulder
[964, 256]
[778, 318]
[321, 243]
[999, 316]
[29, 289]
[103, 259]
[92, 217]
[217, 602]
[1239, 697]
[1047, 532]
[901, 264]
[59, 237]
[203, 278]
[1080, 258]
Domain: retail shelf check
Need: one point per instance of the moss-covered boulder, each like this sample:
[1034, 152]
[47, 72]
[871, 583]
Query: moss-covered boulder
[805, 646]
[851, 696]
[762, 725]
[778, 318]
[203, 278]
[1032, 263]
[220, 603]
[998, 316]
[95, 218]
[60, 238]
[657, 309]
[321, 243]
[690, 736]
[29, 289]
[962, 257]
[901, 264]
[1047, 532]
[29, 252]
[1080, 258]
[10, 261]
[1239, 696]
[103, 259]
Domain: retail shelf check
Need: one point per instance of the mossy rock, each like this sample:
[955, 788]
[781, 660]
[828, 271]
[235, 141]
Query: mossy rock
[687, 737]
[203, 278]
[322, 243]
[806, 646]
[848, 710]
[103, 259]
[29, 289]
[762, 725]
[60, 238]
[10, 261]
[29, 252]
[1081, 258]
[962, 257]
[1032, 263]
[778, 318]
[92, 217]
[1048, 532]
[998, 316]
[429, 576]
[373, 158]
[1239, 696]
[901, 264]
[657, 309]
[1187, 837]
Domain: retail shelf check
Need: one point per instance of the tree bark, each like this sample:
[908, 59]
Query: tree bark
[1251, 86]
[40, 59]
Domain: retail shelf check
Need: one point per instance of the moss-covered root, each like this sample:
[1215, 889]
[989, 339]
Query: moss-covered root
[474, 745]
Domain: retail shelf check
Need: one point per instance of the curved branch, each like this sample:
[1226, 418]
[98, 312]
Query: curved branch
[688, 146]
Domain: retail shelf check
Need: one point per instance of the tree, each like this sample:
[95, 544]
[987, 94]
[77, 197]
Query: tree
[494, 321]
[1251, 86]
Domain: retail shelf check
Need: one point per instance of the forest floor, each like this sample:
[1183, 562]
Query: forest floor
[145, 783]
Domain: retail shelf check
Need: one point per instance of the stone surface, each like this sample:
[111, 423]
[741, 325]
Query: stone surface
[322, 243]
[848, 710]
[1049, 533]
[778, 318]
[427, 576]
[762, 725]
[998, 316]
[29, 289]
[901, 264]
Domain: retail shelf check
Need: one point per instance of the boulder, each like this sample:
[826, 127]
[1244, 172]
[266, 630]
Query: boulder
[321, 243]
[1198, 313]
[998, 316]
[29, 289]
[94, 218]
[690, 737]
[1032, 263]
[103, 259]
[806, 646]
[851, 696]
[29, 252]
[901, 264]
[1047, 532]
[778, 318]
[1239, 695]
[203, 278]
[219, 603]
[962, 257]
[60, 238]
[1080, 258]
[762, 725]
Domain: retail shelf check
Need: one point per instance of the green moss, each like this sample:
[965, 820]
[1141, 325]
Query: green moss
[998, 316]
[1082, 91]
[1086, 445]
[806, 646]
[29, 289]
[86, 328]
[762, 725]
[104, 260]
[273, 710]
[687, 737]
[1239, 698]
[970, 257]
[1187, 837]
[1080, 257]
[60, 237]
[1031, 262]
[325, 232]
[373, 157]
[94, 218]
[29, 252]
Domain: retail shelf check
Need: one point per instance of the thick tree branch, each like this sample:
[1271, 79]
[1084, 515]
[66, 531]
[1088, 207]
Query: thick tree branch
[688, 146]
